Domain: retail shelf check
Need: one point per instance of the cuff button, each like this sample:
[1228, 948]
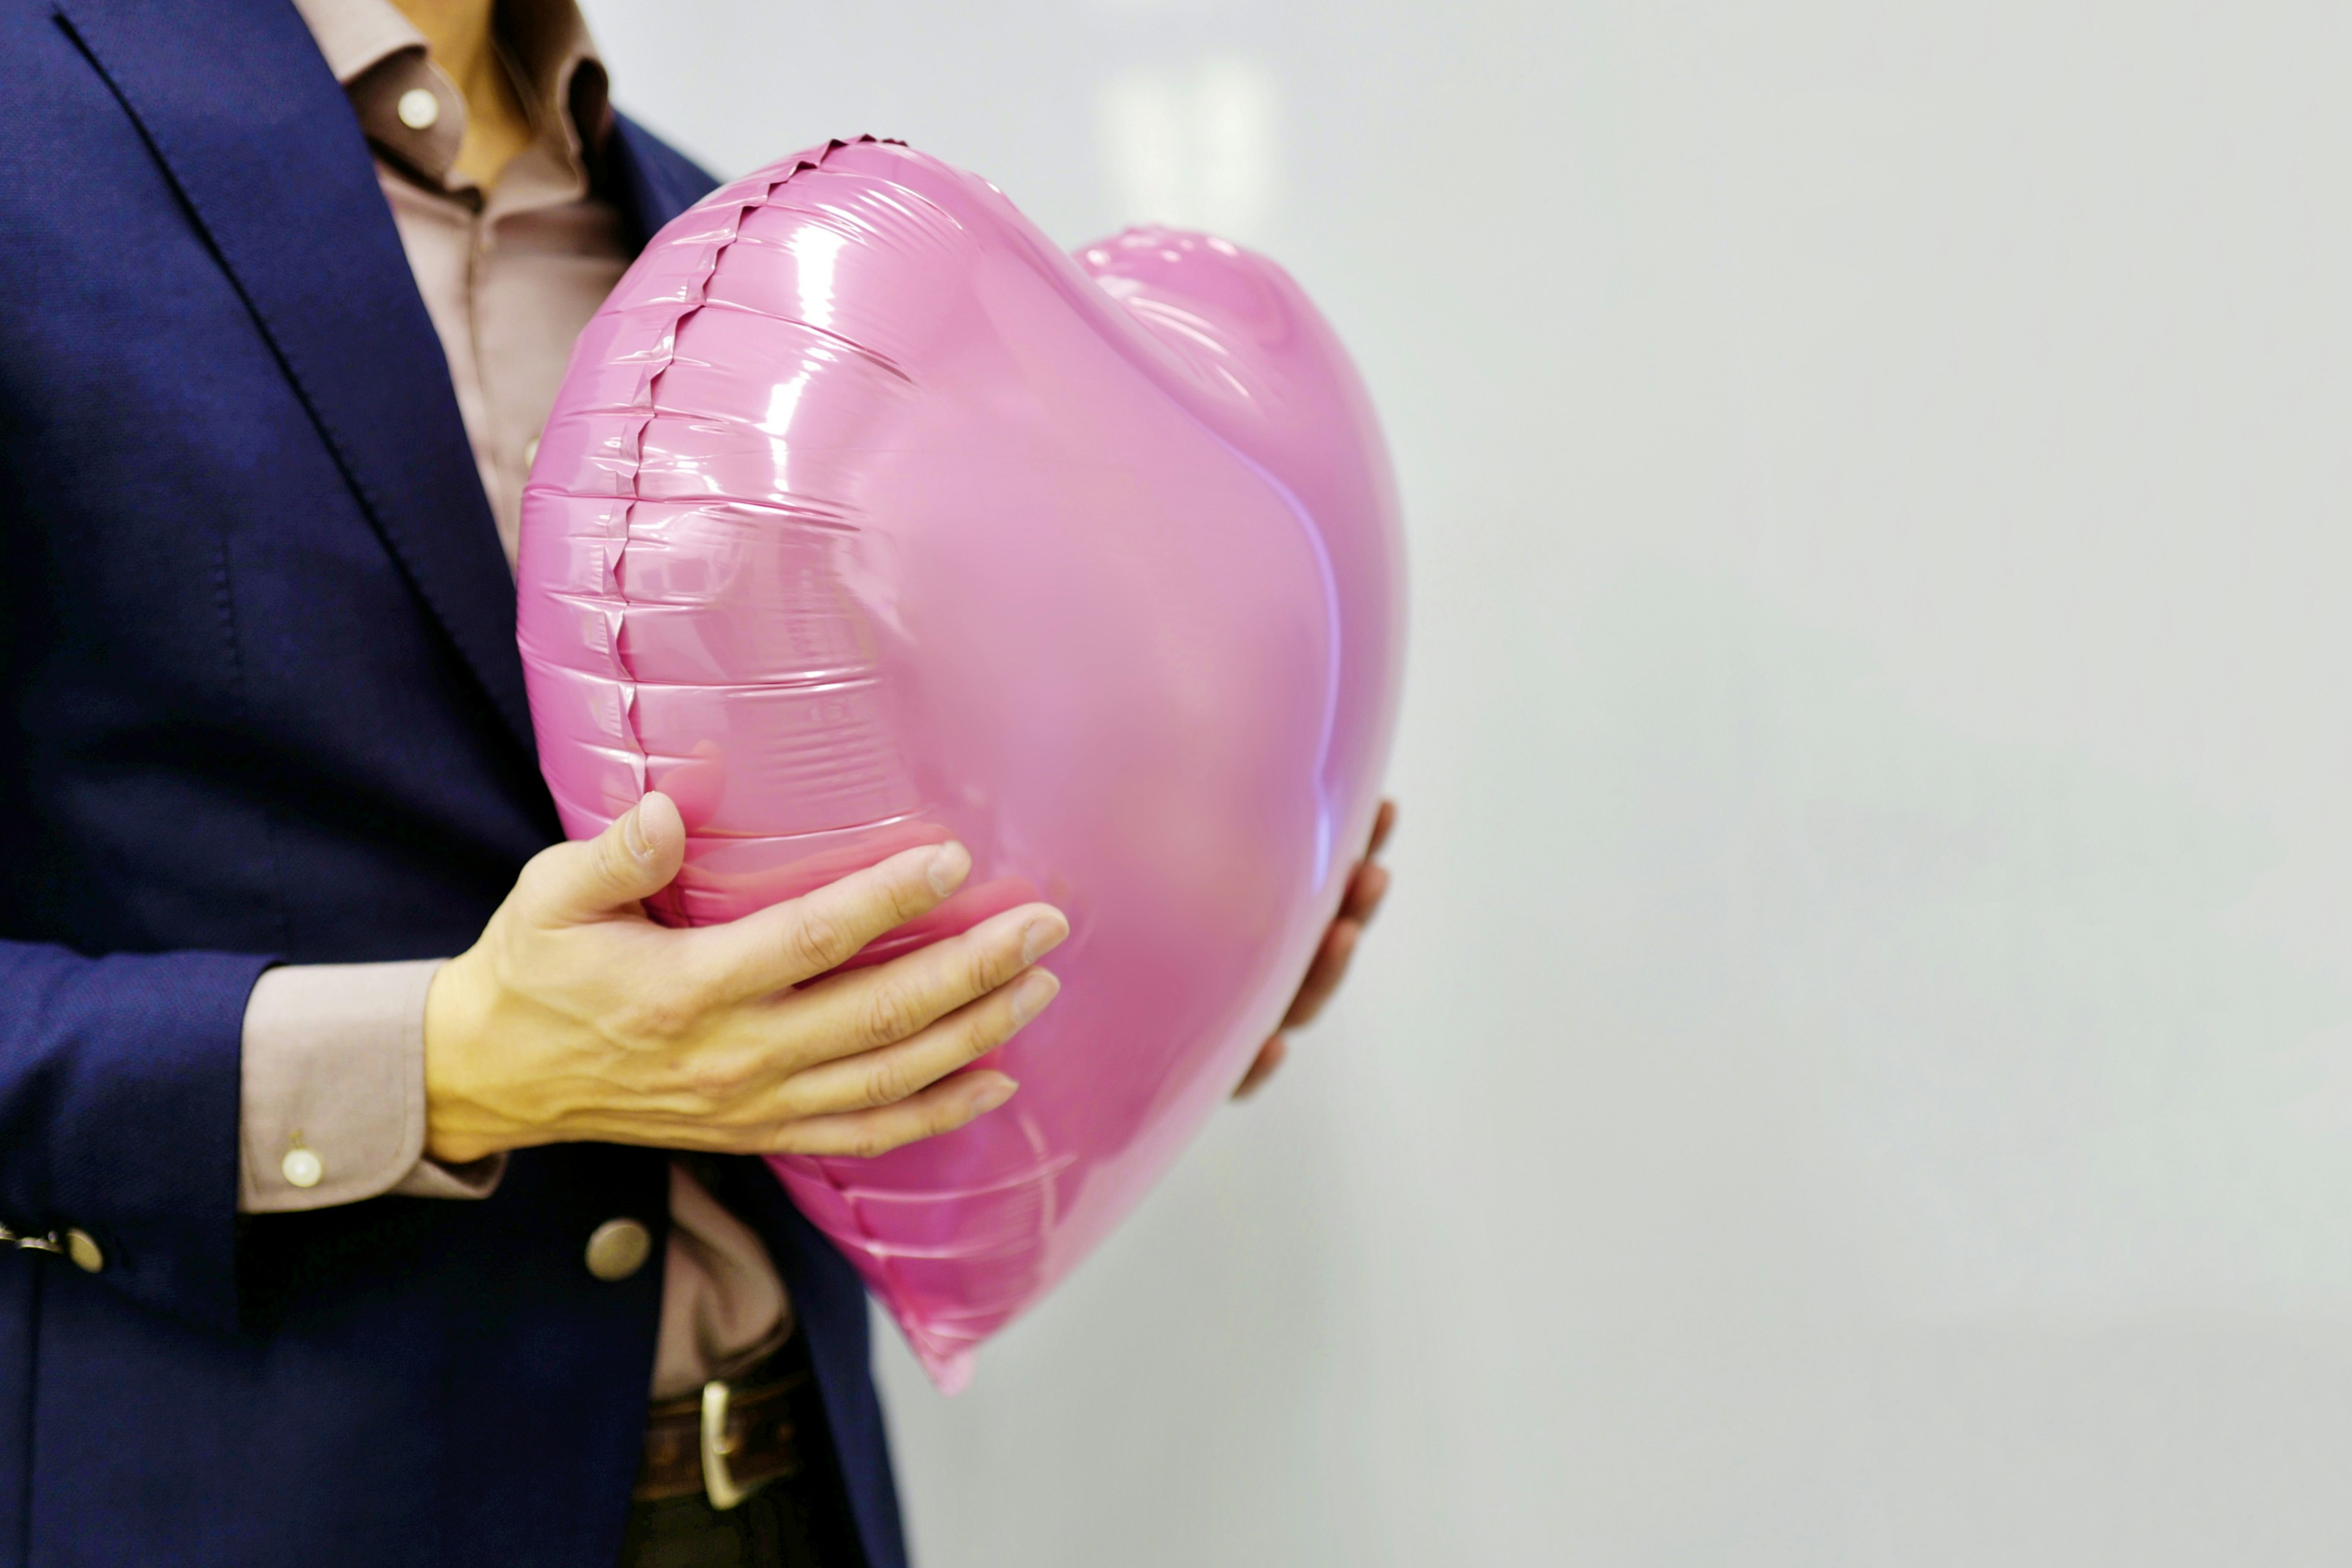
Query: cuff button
[85, 1251]
[302, 1167]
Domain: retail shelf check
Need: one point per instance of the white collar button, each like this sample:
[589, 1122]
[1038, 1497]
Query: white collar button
[418, 108]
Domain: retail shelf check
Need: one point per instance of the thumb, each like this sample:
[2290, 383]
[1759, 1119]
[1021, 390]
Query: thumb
[634, 859]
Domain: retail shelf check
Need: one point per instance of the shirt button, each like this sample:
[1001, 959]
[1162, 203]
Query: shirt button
[85, 1251]
[618, 1249]
[302, 1167]
[418, 108]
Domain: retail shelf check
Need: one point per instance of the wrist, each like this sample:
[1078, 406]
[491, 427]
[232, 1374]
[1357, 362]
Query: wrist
[459, 1127]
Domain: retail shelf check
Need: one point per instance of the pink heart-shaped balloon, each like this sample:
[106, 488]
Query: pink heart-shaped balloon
[866, 517]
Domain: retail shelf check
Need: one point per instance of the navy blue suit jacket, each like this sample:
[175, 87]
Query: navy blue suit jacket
[259, 700]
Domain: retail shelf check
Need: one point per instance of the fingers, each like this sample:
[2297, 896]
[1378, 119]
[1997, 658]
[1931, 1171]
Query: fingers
[869, 1009]
[1367, 885]
[1269, 1059]
[802, 938]
[900, 1071]
[1323, 976]
[725, 1113]
[635, 857]
[942, 1108]
[1366, 889]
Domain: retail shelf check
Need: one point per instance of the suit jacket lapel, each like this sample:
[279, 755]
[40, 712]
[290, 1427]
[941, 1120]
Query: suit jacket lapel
[258, 138]
[649, 182]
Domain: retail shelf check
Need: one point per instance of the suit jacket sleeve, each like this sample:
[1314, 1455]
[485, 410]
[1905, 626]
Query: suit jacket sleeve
[119, 1110]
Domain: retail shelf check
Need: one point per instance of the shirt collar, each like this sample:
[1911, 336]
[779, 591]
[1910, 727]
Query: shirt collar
[379, 56]
[356, 34]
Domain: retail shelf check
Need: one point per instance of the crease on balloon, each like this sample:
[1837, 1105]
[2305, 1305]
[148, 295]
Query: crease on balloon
[691, 297]
[801, 511]
[1044, 1171]
[821, 681]
[691, 300]
[875, 356]
[950, 1357]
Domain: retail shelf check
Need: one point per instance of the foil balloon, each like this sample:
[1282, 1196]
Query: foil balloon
[866, 518]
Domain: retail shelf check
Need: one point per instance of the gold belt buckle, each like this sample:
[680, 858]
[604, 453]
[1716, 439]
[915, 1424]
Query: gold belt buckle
[717, 1481]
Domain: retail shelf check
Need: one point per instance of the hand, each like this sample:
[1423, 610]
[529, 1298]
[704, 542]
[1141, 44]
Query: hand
[576, 1018]
[1367, 885]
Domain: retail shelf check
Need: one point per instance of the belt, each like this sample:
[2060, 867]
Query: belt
[724, 1443]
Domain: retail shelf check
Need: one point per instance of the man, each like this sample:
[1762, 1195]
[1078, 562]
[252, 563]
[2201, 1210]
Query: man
[314, 1246]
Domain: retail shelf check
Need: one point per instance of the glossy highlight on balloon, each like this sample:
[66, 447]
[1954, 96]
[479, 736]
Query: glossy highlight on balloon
[866, 517]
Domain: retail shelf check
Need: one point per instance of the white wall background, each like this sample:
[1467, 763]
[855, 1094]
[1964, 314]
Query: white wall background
[1859, 1067]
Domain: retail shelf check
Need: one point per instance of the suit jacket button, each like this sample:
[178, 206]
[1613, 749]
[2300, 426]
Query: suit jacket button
[84, 1249]
[618, 1249]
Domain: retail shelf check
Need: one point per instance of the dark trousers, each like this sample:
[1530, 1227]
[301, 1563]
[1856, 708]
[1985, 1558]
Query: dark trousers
[777, 1527]
[800, 1521]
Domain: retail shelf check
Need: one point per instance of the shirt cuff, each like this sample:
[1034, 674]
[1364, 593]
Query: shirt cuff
[332, 1090]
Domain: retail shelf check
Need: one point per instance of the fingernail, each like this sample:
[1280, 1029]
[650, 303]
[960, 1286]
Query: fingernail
[1030, 994]
[633, 833]
[949, 864]
[1041, 936]
[991, 1096]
